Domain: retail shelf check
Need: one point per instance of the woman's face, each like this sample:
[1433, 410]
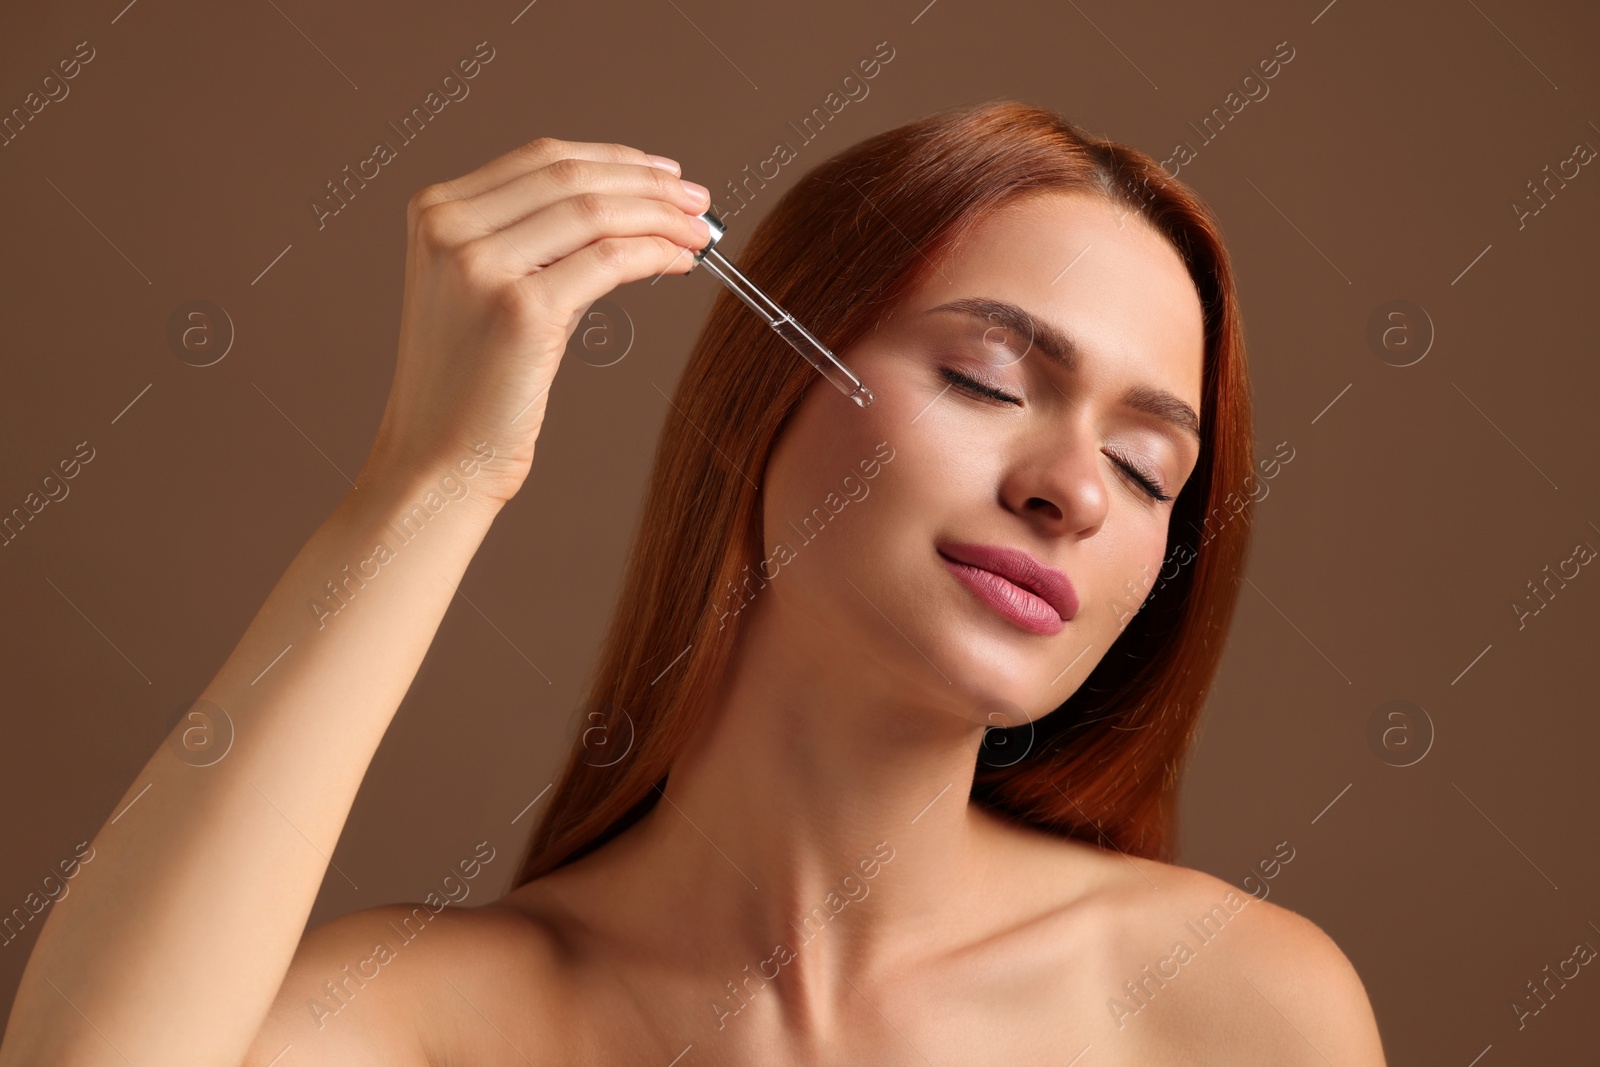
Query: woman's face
[866, 500]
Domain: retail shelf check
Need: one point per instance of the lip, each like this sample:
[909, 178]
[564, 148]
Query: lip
[1030, 593]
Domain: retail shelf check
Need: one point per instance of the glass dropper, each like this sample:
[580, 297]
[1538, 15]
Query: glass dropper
[780, 320]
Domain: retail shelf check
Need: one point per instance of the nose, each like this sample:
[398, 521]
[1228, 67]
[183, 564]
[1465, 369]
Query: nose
[1058, 480]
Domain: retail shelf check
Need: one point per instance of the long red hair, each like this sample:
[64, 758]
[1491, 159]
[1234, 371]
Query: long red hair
[851, 239]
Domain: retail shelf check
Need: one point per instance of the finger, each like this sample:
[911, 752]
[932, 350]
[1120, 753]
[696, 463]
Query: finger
[597, 268]
[564, 227]
[540, 152]
[453, 223]
[526, 193]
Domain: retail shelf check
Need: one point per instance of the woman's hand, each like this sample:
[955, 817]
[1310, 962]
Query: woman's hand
[500, 267]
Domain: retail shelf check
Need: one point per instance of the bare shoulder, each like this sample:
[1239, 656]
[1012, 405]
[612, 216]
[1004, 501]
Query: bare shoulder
[1267, 985]
[402, 985]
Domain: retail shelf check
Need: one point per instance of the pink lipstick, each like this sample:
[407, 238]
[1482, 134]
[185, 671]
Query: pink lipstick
[1037, 597]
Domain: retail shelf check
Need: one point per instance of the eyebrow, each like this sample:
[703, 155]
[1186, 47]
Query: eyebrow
[1061, 348]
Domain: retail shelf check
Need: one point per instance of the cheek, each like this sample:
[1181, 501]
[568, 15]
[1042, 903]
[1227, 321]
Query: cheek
[829, 437]
[1129, 576]
[825, 476]
[827, 440]
[850, 499]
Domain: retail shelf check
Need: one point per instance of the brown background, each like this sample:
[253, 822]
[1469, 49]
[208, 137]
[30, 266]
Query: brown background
[1420, 501]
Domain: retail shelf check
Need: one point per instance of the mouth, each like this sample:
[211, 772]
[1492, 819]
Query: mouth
[1037, 597]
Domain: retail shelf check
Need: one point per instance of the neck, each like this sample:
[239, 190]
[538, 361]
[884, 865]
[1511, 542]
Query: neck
[818, 821]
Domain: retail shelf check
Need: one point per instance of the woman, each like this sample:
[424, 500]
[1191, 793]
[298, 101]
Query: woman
[883, 745]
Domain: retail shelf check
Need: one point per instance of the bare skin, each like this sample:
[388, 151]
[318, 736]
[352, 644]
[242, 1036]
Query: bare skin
[835, 764]
[856, 703]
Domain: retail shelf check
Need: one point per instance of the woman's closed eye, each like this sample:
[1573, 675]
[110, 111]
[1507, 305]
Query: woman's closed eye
[972, 387]
[977, 388]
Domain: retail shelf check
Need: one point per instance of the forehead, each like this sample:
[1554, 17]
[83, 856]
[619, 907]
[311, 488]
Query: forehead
[1096, 270]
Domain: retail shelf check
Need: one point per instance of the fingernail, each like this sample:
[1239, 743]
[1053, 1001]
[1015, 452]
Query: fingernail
[664, 163]
[700, 192]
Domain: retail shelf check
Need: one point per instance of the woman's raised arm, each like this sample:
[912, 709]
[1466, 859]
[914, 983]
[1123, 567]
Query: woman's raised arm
[174, 941]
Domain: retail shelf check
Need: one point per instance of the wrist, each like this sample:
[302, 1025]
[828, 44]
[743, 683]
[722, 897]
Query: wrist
[459, 486]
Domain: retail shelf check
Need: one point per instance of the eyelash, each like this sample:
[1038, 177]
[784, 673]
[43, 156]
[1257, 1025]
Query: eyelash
[977, 388]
